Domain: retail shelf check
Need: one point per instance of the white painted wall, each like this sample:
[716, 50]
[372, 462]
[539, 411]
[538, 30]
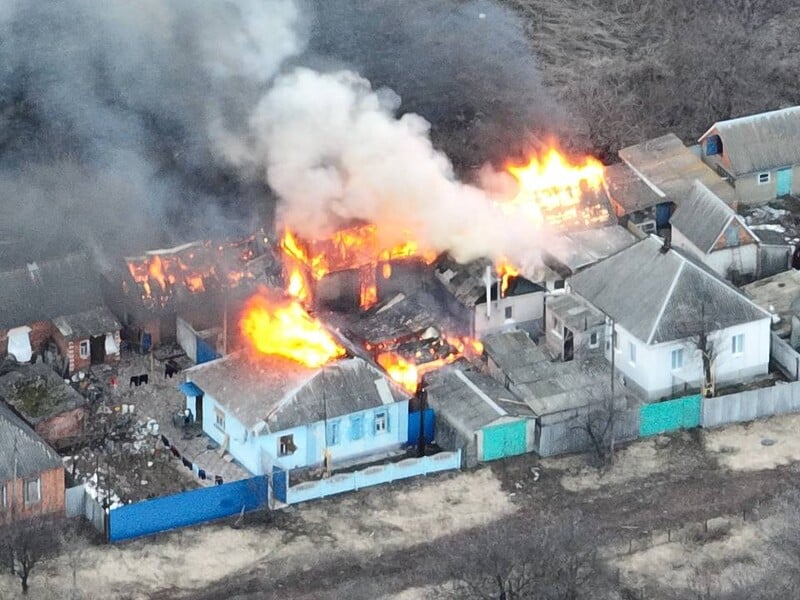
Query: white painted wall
[720, 261]
[653, 371]
[524, 309]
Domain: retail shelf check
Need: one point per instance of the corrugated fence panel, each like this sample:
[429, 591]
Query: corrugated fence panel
[662, 417]
[570, 437]
[94, 513]
[505, 439]
[187, 508]
[74, 501]
[752, 404]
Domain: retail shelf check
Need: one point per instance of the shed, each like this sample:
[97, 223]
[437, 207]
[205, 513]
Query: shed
[478, 415]
[581, 249]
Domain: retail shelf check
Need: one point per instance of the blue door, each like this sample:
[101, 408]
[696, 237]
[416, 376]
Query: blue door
[784, 181]
[663, 213]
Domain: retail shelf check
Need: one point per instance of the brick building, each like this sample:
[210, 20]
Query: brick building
[55, 310]
[31, 473]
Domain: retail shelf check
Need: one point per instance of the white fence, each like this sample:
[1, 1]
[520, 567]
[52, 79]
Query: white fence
[348, 482]
[786, 357]
[570, 436]
[80, 504]
[778, 399]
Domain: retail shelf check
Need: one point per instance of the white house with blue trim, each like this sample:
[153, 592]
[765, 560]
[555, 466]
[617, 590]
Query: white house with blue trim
[269, 411]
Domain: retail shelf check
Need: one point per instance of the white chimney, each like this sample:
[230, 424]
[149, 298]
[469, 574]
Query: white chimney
[488, 280]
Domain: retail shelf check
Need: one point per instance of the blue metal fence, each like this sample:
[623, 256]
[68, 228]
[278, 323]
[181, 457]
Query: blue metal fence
[205, 353]
[187, 508]
[280, 483]
[413, 426]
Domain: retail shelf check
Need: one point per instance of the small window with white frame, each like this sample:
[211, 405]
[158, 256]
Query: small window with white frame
[593, 340]
[763, 178]
[84, 349]
[632, 353]
[676, 359]
[32, 491]
[381, 422]
[219, 419]
[737, 344]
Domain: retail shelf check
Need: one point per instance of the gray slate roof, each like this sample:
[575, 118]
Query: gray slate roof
[662, 296]
[760, 142]
[285, 394]
[575, 312]
[466, 281]
[470, 400]
[56, 396]
[583, 248]
[702, 217]
[672, 168]
[513, 350]
[628, 191]
[58, 287]
[33, 454]
[92, 322]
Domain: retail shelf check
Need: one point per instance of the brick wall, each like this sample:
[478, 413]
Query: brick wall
[51, 502]
[72, 350]
[64, 425]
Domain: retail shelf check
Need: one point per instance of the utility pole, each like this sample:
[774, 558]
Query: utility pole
[14, 481]
[326, 455]
[225, 324]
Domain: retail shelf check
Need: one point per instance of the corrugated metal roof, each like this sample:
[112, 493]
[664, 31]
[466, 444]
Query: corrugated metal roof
[628, 191]
[702, 217]
[286, 394]
[43, 291]
[662, 296]
[760, 142]
[671, 167]
[33, 455]
[470, 400]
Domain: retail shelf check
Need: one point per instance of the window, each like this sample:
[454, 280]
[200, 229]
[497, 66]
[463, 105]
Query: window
[732, 236]
[84, 349]
[763, 178]
[713, 145]
[632, 352]
[677, 359]
[593, 340]
[286, 445]
[737, 344]
[508, 312]
[32, 491]
[333, 433]
[356, 427]
[381, 422]
[558, 284]
[3, 497]
[219, 419]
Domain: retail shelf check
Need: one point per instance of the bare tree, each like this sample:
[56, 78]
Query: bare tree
[509, 561]
[26, 544]
[698, 328]
[601, 426]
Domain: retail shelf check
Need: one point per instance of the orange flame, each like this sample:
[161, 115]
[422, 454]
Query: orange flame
[505, 271]
[552, 190]
[297, 287]
[284, 328]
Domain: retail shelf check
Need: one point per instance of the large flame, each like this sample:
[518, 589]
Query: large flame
[505, 271]
[283, 327]
[553, 190]
[407, 371]
[360, 247]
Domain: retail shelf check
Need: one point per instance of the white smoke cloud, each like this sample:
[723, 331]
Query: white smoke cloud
[333, 150]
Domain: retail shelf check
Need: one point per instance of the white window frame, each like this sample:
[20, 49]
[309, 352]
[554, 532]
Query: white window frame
[84, 349]
[677, 353]
[381, 422]
[219, 419]
[26, 497]
[737, 344]
[764, 178]
[632, 353]
[596, 342]
[285, 442]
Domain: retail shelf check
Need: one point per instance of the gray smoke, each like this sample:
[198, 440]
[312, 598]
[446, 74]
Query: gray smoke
[135, 125]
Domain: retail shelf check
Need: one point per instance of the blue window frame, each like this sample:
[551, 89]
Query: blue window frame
[333, 433]
[356, 427]
[732, 235]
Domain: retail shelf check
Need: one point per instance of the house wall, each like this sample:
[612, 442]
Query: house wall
[653, 373]
[526, 309]
[71, 349]
[52, 500]
[749, 191]
[723, 259]
[253, 451]
[582, 347]
[65, 425]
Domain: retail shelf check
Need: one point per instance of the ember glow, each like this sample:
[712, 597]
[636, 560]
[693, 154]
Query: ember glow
[408, 370]
[555, 191]
[361, 247]
[283, 327]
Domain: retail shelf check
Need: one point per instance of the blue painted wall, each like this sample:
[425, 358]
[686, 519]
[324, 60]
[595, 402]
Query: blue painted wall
[348, 437]
[187, 508]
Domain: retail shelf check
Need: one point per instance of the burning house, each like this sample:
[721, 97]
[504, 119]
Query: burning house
[482, 300]
[200, 282]
[54, 309]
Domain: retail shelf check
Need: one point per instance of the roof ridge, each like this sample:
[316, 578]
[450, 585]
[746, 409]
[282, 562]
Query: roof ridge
[667, 298]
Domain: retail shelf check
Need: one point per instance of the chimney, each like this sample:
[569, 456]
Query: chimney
[488, 280]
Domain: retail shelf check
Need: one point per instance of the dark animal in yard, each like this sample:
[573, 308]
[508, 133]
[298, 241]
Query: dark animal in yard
[143, 379]
[170, 369]
[134, 381]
